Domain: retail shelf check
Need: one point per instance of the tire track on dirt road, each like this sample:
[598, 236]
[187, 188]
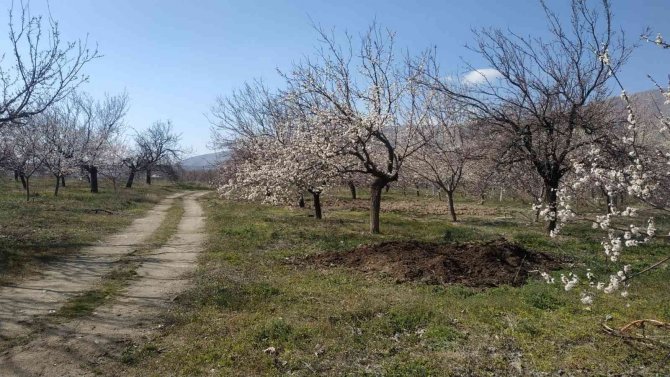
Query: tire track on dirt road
[95, 344]
[45, 293]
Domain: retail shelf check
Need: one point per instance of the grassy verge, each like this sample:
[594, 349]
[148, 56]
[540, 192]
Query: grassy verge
[36, 232]
[253, 312]
[126, 270]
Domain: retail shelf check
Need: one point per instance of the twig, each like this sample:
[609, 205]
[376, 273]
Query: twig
[641, 323]
[98, 210]
[519, 269]
[627, 337]
[309, 367]
[666, 259]
[624, 332]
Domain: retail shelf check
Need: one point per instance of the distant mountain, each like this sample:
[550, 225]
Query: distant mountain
[204, 161]
[650, 102]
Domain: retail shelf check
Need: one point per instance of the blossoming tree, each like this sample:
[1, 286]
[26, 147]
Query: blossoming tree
[642, 174]
[549, 102]
[39, 69]
[370, 111]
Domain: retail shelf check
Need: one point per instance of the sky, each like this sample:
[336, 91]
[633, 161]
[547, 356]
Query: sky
[174, 58]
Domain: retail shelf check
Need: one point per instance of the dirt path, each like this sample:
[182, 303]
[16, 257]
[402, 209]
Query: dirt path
[46, 293]
[94, 344]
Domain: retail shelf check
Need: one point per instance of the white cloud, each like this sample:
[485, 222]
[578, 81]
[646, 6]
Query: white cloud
[479, 76]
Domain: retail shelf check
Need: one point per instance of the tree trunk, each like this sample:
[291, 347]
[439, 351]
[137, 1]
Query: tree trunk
[608, 201]
[62, 181]
[417, 190]
[93, 170]
[131, 178]
[439, 195]
[316, 195]
[23, 180]
[148, 177]
[301, 201]
[57, 185]
[16, 175]
[538, 201]
[551, 199]
[376, 204]
[27, 189]
[387, 187]
[500, 198]
[452, 210]
[352, 188]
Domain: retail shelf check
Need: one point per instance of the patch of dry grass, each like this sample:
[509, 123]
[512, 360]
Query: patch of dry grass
[36, 232]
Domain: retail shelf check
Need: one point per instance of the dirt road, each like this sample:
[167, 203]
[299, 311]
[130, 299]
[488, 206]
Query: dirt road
[94, 344]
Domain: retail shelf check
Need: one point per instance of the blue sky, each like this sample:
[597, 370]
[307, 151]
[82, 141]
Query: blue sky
[175, 57]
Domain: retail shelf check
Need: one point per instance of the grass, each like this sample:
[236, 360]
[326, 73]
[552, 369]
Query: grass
[248, 296]
[37, 232]
[126, 270]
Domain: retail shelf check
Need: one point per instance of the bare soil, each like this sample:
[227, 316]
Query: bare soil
[484, 264]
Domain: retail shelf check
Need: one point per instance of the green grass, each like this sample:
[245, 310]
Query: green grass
[36, 232]
[249, 295]
[126, 270]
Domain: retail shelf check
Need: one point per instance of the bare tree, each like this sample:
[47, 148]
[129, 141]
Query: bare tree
[156, 145]
[450, 145]
[40, 69]
[248, 113]
[135, 162]
[549, 101]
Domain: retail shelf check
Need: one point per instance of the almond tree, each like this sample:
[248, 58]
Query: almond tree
[549, 102]
[6, 150]
[61, 151]
[26, 151]
[100, 122]
[644, 176]
[247, 113]
[449, 147]
[277, 149]
[370, 112]
[353, 180]
[156, 145]
[113, 165]
[134, 162]
[39, 69]
[279, 170]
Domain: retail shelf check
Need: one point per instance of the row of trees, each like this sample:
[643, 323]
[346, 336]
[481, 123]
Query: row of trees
[380, 117]
[48, 126]
[545, 125]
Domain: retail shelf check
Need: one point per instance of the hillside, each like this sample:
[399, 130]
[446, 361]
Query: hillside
[204, 161]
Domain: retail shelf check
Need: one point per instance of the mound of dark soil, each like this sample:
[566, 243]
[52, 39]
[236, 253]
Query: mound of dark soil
[485, 264]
